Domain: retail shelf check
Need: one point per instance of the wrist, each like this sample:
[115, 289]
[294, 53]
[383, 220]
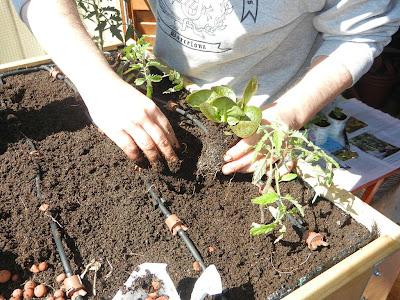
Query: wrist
[281, 113]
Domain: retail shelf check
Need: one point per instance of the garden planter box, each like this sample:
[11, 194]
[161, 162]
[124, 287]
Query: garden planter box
[348, 278]
[82, 175]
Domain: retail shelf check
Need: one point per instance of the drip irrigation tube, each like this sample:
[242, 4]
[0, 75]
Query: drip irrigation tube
[48, 68]
[189, 244]
[73, 282]
[60, 249]
[20, 72]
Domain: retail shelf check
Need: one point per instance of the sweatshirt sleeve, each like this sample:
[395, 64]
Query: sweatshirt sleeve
[354, 32]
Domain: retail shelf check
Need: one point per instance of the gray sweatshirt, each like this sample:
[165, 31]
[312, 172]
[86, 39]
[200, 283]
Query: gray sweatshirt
[230, 41]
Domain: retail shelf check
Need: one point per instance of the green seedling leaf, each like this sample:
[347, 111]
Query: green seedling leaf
[265, 199]
[225, 92]
[133, 67]
[296, 203]
[282, 232]
[249, 92]
[247, 127]
[232, 121]
[140, 81]
[154, 78]
[262, 229]
[288, 177]
[260, 170]
[236, 111]
[154, 63]
[281, 212]
[199, 97]
[149, 89]
[209, 111]
[222, 105]
[277, 138]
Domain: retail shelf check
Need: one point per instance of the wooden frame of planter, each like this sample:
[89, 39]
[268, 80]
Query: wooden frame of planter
[348, 278]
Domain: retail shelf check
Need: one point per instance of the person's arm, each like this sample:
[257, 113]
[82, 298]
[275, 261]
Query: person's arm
[354, 32]
[125, 115]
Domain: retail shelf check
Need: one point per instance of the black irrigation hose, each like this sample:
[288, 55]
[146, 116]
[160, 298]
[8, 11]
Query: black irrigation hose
[48, 68]
[20, 72]
[189, 244]
[60, 249]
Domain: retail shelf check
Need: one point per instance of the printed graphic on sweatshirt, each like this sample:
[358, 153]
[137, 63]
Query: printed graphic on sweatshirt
[182, 20]
[250, 9]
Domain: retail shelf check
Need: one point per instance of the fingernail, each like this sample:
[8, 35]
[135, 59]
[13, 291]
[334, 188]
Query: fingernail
[226, 170]
[227, 157]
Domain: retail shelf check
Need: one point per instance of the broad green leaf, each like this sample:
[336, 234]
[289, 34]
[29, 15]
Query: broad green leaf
[225, 91]
[222, 104]
[288, 177]
[232, 121]
[265, 199]
[277, 138]
[154, 77]
[262, 229]
[140, 81]
[199, 97]
[247, 127]
[249, 92]
[209, 111]
[236, 111]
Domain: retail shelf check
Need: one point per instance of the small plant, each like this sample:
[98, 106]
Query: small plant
[277, 146]
[105, 18]
[220, 104]
[138, 65]
[320, 120]
[338, 114]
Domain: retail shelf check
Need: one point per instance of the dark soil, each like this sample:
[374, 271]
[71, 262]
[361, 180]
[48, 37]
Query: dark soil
[99, 198]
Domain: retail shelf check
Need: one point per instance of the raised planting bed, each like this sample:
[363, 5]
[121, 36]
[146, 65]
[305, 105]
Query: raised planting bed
[100, 199]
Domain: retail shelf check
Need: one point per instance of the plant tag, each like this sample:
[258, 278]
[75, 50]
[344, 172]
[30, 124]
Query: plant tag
[209, 283]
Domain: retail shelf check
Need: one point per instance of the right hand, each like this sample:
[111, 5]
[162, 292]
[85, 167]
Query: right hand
[131, 120]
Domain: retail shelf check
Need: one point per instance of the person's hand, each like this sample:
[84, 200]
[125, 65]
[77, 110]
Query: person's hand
[131, 120]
